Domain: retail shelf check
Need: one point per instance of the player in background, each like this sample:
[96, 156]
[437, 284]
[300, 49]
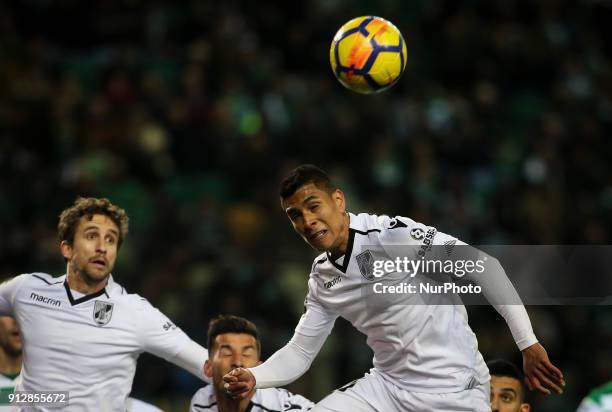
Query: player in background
[233, 342]
[598, 400]
[426, 356]
[507, 389]
[10, 359]
[10, 367]
[82, 331]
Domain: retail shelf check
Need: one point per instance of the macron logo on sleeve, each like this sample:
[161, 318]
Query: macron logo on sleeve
[49, 301]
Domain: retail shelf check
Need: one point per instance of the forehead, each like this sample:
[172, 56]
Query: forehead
[237, 340]
[305, 192]
[98, 221]
[505, 382]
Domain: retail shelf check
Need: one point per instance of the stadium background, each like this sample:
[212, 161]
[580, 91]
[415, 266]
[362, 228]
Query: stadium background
[189, 114]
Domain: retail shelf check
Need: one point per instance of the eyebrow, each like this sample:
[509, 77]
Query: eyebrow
[113, 231]
[508, 390]
[308, 199]
[228, 346]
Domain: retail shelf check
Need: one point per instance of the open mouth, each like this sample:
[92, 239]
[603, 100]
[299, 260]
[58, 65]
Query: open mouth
[99, 262]
[318, 235]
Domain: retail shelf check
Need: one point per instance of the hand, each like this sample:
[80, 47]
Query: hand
[540, 374]
[239, 383]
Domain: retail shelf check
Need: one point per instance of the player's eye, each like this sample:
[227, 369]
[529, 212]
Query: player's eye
[111, 240]
[91, 235]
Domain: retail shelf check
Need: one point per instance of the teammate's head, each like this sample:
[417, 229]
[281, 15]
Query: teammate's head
[507, 390]
[91, 232]
[316, 208]
[84, 208]
[10, 337]
[233, 342]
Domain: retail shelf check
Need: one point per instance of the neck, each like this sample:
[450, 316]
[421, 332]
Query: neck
[341, 249]
[9, 365]
[227, 404]
[82, 284]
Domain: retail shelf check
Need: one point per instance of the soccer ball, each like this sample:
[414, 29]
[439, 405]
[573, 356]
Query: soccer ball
[368, 54]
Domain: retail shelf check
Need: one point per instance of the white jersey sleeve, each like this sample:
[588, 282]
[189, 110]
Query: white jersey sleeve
[8, 289]
[294, 359]
[159, 336]
[497, 288]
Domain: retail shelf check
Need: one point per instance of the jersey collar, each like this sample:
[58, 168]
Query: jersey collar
[346, 257]
[85, 298]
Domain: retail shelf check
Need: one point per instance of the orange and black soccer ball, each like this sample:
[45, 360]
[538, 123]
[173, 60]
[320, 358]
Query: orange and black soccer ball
[368, 54]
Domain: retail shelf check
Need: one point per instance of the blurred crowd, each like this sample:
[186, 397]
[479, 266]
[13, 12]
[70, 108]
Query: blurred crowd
[189, 114]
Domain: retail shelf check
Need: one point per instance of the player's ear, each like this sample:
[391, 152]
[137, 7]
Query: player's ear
[338, 197]
[208, 369]
[66, 249]
[525, 407]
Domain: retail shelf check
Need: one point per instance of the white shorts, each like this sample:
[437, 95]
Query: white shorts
[374, 394]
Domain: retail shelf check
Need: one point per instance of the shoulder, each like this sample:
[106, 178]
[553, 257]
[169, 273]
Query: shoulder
[40, 277]
[203, 399]
[36, 279]
[117, 290]
[319, 260]
[137, 302]
[404, 229]
[365, 223]
[134, 303]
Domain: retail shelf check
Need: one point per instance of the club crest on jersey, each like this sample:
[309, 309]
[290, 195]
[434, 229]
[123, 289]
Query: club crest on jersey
[365, 261]
[103, 311]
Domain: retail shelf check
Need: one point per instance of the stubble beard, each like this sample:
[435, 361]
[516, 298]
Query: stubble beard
[89, 278]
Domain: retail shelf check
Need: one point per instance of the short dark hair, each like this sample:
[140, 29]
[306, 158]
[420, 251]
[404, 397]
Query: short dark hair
[501, 367]
[303, 175]
[231, 324]
[89, 206]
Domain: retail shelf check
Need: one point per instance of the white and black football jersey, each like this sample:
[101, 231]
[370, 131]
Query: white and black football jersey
[86, 345]
[418, 345]
[264, 400]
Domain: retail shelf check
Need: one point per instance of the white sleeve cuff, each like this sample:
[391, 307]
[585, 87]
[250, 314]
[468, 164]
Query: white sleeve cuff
[290, 362]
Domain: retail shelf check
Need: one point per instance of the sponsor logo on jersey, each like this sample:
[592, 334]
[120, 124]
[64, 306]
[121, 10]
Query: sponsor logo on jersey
[49, 301]
[365, 261]
[103, 311]
[417, 233]
[333, 282]
[427, 242]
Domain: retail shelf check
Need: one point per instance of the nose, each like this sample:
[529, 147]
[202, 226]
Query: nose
[101, 245]
[310, 219]
[237, 362]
